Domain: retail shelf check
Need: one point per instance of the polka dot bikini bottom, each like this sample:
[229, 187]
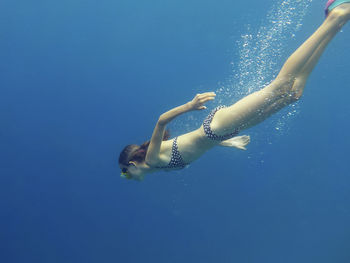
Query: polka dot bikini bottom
[209, 133]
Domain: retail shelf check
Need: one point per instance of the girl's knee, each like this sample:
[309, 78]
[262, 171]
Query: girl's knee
[289, 88]
[298, 88]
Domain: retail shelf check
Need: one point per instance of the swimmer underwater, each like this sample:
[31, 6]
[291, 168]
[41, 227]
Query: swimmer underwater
[223, 124]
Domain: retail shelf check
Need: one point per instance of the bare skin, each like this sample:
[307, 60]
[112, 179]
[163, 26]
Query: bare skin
[250, 110]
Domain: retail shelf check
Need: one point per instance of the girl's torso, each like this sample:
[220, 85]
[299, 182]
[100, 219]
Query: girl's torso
[190, 146]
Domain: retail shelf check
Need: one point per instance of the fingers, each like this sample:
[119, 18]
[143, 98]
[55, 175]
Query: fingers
[204, 100]
[204, 97]
[206, 94]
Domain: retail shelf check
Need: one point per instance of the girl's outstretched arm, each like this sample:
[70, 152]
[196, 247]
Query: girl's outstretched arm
[153, 151]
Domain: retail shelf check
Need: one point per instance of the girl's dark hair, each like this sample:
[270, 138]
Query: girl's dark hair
[134, 152]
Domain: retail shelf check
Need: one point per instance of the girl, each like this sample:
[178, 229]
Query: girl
[223, 124]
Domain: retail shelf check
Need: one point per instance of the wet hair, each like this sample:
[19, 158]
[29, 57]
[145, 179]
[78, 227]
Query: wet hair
[137, 153]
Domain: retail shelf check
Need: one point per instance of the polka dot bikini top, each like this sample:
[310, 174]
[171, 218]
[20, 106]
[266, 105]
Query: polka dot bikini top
[176, 161]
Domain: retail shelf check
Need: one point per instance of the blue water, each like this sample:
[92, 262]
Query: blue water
[81, 79]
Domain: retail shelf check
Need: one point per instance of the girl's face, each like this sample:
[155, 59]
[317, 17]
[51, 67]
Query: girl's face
[132, 171]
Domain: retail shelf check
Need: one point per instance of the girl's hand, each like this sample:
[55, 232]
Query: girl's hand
[200, 99]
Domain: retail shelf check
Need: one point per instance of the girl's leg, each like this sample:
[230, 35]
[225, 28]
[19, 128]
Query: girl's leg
[289, 84]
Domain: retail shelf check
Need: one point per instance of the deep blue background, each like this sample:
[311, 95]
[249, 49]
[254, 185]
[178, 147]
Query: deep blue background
[81, 79]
